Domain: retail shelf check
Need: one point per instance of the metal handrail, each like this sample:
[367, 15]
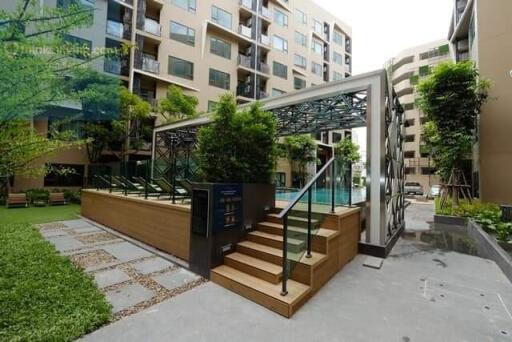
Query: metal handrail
[284, 216]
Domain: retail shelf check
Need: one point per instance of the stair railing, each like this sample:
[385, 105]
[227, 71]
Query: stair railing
[283, 215]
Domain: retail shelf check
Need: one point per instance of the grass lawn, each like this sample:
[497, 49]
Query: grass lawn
[43, 296]
[39, 214]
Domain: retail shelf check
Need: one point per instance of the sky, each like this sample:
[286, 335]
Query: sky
[383, 28]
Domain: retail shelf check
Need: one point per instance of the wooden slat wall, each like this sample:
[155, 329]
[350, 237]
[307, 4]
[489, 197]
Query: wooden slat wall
[158, 224]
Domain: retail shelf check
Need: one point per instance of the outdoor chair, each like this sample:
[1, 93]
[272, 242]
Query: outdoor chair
[107, 184]
[153, 189]
[57, 198]
[174, 192]
[129, 186]
[16, 200]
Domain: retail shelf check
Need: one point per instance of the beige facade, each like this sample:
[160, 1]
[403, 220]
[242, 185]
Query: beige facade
[407, 69]
[481, 30]
[251, 48]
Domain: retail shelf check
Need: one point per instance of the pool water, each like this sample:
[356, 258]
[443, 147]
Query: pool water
[323, 196]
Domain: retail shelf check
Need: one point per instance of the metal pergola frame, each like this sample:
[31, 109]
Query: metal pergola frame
[366, 100]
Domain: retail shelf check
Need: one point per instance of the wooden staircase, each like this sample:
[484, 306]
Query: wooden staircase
[254, 270]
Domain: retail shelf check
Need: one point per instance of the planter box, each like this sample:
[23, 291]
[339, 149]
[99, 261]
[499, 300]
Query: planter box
[488, 247]
[451, 220]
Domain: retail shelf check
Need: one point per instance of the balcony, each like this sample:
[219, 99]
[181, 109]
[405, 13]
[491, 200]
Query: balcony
[116, 66]
[152, 26]
[264, 67]
[247, 4]
[245, 90]
[244, 61]
[265, 40]
[262, 95]
[118, 29]
[245, 31]
[264, 11]
[147, 63]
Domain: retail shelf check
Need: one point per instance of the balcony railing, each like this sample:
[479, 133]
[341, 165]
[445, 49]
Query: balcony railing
[118, 29]
[264, 68]
[244, 61]
[265, 12]
[247, 3]
[264, 39]
[147, 63]
[113, 66]
[245, 31]
[262, 95]
[152, 26]
[245, 90]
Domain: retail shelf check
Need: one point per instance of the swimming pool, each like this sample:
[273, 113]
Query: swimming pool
[323, 196]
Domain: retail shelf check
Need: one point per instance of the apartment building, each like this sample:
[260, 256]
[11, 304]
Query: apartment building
[481, 30]
[407, 69]
[252, 48]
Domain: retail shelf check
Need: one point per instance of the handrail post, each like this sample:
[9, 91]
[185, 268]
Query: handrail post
[333, 186]
[284, 290]
[146, 174]
[308, 255]
[125, 178]
[349, 184]
[111, 179]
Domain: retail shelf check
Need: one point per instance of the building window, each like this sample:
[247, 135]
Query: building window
[221, 17]
[77, 47]
[280, 18]
[424, 70]
[336, 76]
[436, 52]
[277, 92]
[183, 33]
[410, 138]
[409, 154]
[220, 79]
[300, 61]
[317, 47]
[317, 26]
[212, 106]
[336, 137]
[428, 171]
[181, 68]
[280, 44]
[409, 122]
[337, 37]
[410, 170]
[59, 179]
[316, 69]
[299, 83]
[220, 47]
[337, 58]
[301, 39]
[301, 17]
[280, 179]
[187, 5]
[280, 70]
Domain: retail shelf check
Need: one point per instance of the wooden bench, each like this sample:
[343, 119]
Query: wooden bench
[57, 198]
[16, 200]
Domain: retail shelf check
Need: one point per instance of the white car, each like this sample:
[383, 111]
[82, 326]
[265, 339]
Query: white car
[435, 191]
[413, 188]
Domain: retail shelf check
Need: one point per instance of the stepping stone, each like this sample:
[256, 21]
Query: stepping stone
[373, 262]
[175, 279]
[125, 251]
[76, 223]
[87, 229]
[110, 277]
[152, 265]
[65, 243]
[128, 296]
[52, 233]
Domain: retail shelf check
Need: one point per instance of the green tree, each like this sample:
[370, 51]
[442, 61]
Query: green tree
[238, 147]
[177, 105]
[451, 99]
[301, 151]
[347, 153]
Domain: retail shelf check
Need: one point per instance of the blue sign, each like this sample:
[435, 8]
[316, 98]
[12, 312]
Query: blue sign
[227, 207]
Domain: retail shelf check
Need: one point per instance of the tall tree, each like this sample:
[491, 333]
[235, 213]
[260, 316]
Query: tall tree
[177, 105]
[301, 151]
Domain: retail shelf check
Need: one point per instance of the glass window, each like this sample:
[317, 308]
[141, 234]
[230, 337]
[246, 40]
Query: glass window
[77, 47]
[301, 39]
[336, 76]
[280, 18]
[299, 83]
[317, 26]
[424, 70]
[212, 106]
[276, 92]
[187, 5]
[280, 70]
[280, 44]
[337, 58]
[181, 68]
[300, 61]
[301, 17]
[316, 69]
[338, 37]
[317, 47]
[183, 33]
[220, 79]
[220, 47]
[221, 17]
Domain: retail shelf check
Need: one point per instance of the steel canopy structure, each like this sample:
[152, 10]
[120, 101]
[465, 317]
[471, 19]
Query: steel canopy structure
[366, 100]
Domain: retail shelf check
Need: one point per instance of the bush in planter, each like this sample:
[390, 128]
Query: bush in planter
[475, 208]
[72, 196]
[238, 147]
[37, 195]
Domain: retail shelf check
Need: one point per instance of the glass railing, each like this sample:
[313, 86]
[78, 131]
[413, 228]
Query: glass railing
[247, 3]
[245, 31]
[152, 26]
[151, 65]
[265, 12]
[244, 61]
[115, 28]
[113, 66]
[264, 39]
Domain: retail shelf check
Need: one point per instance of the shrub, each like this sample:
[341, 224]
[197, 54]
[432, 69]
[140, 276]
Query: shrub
[475, 208]
[73, 196]
[37, 195]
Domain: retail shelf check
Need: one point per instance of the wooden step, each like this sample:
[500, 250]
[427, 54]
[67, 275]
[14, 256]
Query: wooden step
[274, 255]
[261, 291]
[292, 220]
[255, 267]
[277, 228]
[276, 241]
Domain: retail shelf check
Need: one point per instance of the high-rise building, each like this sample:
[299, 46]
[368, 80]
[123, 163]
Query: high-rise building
[407, 69]
[252, 48]
[481, 31]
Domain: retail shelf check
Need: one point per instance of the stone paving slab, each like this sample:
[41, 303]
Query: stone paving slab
[52, 233]
[152, 265]
[79, 223]
[128, 296]
[65, 243]
[110, 277]
[177, 278]
[125, 251]
[87, 229]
